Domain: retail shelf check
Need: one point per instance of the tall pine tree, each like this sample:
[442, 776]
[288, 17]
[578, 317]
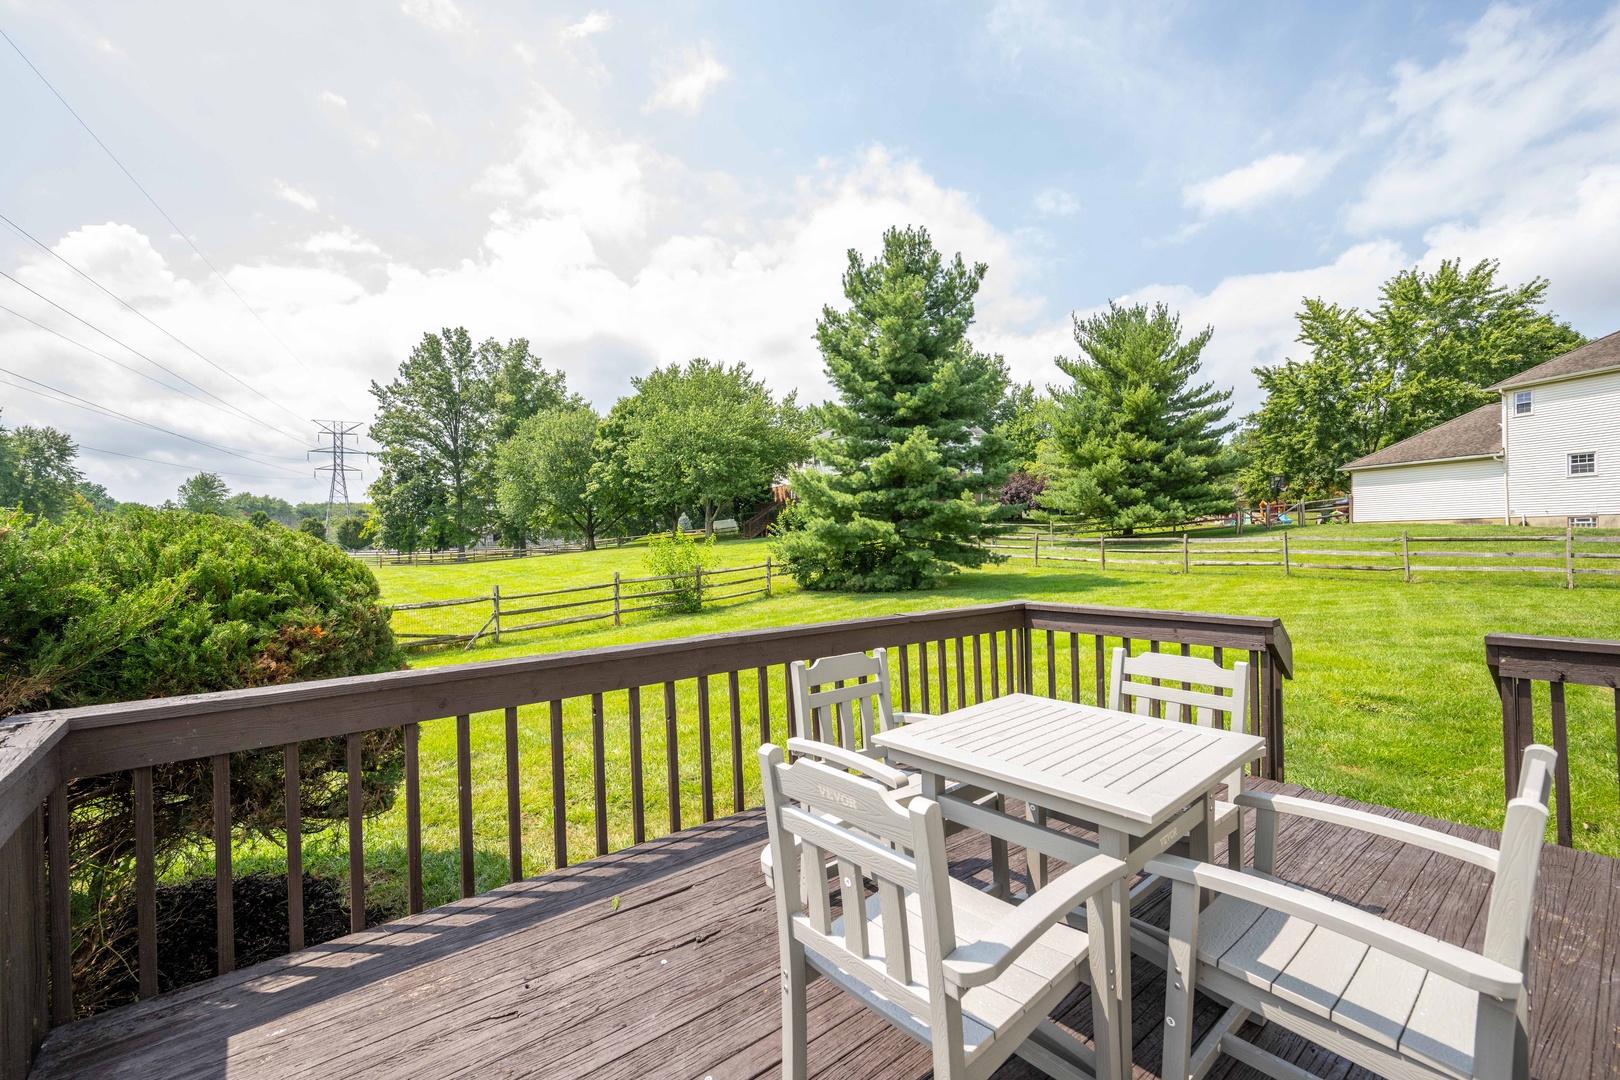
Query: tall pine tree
[1135, 443]
[893, 504]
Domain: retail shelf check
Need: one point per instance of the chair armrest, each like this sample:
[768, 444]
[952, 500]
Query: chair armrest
[887, 775]
[910, 717]
[982, 961]
[1393, 829]
[1457, 964]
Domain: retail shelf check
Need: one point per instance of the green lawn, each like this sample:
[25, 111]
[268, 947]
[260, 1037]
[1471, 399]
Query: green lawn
[1391, 704]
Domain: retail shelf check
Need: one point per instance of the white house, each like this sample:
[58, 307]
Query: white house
[1547, 453]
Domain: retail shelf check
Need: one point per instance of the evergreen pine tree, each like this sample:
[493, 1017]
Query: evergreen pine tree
[892, 504]
[1135, 443]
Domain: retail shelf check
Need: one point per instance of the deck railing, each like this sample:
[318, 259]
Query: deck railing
[1517, 662]
[943, 660]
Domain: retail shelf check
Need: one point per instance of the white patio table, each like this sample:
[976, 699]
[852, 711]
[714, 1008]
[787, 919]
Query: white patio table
[1145, 782]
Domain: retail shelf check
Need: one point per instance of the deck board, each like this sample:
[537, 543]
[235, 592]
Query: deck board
[547, 977]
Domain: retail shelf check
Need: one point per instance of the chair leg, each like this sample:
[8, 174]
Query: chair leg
[1000, 872]
[1180, 978]
[1234, 848]
[795, 1021]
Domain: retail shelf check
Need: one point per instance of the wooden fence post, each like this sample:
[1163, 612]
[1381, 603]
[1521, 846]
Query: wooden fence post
[495, 603]
[767, 577]
[615, 598]
[1037, 537]
[1302, 511]
[699, 578]
[1569, 555]
[1102, 552]
[1406, 557]
[1287, 570]
[1184, 546]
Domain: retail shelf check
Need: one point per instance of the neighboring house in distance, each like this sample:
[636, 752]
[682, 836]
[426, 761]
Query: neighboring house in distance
[1548, 453]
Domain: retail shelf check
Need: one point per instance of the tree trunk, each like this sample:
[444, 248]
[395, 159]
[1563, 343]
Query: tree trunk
[708, 519]
[590, 532]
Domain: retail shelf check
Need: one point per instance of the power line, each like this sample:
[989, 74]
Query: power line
[85, 403]
[167, 370]
[126, 367]
[182, 233]
[173, 464]
[217, 367]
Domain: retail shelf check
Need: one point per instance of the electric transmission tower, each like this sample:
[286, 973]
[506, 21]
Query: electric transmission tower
[335, 435]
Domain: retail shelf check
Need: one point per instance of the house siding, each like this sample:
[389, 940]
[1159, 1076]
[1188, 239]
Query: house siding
[1581, 415]
[1468, 490]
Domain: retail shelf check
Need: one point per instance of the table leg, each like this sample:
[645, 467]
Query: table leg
[1108, 923]
[1037, 862]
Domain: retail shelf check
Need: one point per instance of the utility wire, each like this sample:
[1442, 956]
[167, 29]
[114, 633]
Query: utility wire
[85, 403]
[132, 370]
[172, 464]
[167, 370]
[183, 235]
[53, 254]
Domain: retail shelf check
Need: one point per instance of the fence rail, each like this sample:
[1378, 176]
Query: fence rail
[942, 660]
[614, 595]
[492, 554]
[1564, 553]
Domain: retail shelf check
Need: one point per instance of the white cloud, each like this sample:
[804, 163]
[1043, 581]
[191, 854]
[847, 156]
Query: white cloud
[1054, 202]
[1256, 183]
[343, 241]
[336, 108]
[683, 82]
[298, 197]
[441, 16]
[107, 46]
[594, 23]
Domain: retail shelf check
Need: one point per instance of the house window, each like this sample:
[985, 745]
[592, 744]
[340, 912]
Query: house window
[1583, 522]
[1522, 403]
[1582, 464]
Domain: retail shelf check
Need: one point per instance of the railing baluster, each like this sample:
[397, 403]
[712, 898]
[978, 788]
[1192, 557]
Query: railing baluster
[145, 884]
[995, 667]
[1566, 834]
[788, 706]
[559, 794]
[638, 802]
[922, 673]
[294, 822]
[672, 759]
[1102, 673]
[1155, 707]
[736, 743]
[705, 749]
[944, 676]
[62, 906]
[413, 818]
[225, 927]
[978, 670]
[762, 681]
[599, 773]
[1051, 664]
[1012, 670]
[961, 676]
[1074, 667]
[464, 810]
[905, 678]
[514, 799]
[357, 838]
[1187, 716]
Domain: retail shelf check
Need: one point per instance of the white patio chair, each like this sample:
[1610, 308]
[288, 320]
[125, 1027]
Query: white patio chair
[966, 974]
[1396, 1001]
[1126, 692]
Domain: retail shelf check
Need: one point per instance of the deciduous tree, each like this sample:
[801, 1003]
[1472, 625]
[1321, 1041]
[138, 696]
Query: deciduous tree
[549, 480]
[204, 493]
[37, 472]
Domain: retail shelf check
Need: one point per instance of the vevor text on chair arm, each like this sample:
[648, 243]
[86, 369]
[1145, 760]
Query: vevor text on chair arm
[1377, 824]
[984, 960]
[887, 775]
[1457, 964]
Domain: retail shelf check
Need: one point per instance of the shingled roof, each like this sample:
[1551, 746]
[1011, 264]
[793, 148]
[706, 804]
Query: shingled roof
[1475, 434]
[1599, 355]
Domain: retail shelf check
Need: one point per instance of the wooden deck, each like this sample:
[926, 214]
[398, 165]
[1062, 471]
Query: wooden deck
[661, 961]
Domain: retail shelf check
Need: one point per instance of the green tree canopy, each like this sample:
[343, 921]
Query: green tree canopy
[245, 504]
[313, 527]
[699, 436]
[37, 473]
[909, 446]
[1023, 419]
[204, 493]
[1425, 355]
[96, 495]
[550, 480]
[1136, 443]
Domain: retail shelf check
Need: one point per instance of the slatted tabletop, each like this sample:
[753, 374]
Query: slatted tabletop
[1119, 769]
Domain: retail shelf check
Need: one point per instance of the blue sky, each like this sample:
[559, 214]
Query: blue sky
[629, 185]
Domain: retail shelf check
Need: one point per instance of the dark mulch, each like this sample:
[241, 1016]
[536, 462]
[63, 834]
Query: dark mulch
[186, 925]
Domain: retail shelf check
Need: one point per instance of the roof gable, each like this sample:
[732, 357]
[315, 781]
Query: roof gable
[1600, 355]
[1473, 434]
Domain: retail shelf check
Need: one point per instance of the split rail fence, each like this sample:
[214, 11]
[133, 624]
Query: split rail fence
[592, 603]
[1566, 554]
[945, 659]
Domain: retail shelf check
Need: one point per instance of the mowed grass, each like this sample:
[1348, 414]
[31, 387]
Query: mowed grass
[1391, 702]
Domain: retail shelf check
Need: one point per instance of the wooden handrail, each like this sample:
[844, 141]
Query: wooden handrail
[960, 655]
[1518, 660]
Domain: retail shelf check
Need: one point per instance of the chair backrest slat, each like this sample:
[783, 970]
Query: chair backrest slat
[843, 699]
[1168, 668]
